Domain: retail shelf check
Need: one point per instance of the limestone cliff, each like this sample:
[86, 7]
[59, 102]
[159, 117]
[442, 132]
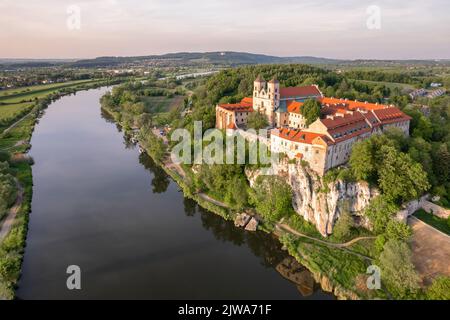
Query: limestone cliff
[320, 204]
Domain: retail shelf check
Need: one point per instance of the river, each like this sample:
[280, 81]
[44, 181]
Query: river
[100, 205]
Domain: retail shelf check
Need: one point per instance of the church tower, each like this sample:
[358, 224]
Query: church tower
[258, 85]
[273, 91]
[266, 98]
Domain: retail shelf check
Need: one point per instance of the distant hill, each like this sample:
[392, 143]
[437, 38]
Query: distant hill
[225, 58]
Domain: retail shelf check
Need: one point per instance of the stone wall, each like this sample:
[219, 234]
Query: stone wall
[435, 209]
[422, 203]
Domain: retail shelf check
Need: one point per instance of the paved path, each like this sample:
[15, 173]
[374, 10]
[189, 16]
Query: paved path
[431, 250]
[8, 222]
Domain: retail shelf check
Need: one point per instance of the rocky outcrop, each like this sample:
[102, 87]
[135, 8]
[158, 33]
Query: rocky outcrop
[318, 203]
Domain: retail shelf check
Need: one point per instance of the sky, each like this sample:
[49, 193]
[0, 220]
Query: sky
[345, 29]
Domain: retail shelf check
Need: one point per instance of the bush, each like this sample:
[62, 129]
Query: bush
[398, 271]
[439, 289]
[272, 197]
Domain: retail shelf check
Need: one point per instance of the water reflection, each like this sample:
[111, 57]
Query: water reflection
[160, 180]
[266, 247]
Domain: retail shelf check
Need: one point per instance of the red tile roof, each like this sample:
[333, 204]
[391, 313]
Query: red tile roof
[294, 106]
[305, 91]
[350, 104]
[298, 135]
[390, 115]
[246, 105]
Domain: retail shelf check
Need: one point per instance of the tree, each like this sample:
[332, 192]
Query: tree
[380, 212]
[396, 230]
[310, 110]
[439, 289]
[398, 271]
[272, 197]
[343, 226]
[257, 120]
[400, 178]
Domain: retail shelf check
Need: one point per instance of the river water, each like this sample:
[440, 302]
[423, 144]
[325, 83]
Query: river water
[100, 205]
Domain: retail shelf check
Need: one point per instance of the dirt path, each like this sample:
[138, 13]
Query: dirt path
[16, 123]
[431, 250]
[8, 222]
[343, 246]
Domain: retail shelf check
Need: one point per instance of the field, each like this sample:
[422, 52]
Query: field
[11, 110]
[390, 85]
[36, 92]
[16, 91]
[162, 104]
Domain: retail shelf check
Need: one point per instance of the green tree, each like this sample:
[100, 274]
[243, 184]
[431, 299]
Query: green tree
[310, 110]
[343, 226]
[400, 178]
[257, 120]
[398, 271]
[272, 197]
[396, 230]
[380, 212]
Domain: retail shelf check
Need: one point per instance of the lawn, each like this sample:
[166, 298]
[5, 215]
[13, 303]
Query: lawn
[434, 221]
[390, 85]
[21, 132]
[26, 90]
[29, 94]
[11, 110]
[161, 104]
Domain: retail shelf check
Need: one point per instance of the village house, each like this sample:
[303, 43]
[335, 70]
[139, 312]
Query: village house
[324, 144]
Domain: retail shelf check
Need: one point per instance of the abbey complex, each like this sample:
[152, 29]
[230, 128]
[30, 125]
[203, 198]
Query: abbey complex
[325, 143]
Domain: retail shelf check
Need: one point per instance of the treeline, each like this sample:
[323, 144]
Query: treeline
[418, 78]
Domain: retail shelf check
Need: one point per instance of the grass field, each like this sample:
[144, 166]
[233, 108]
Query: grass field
[390, 85]
[20, 133]
[434, 221]
[10, 110]
[162, 104]
[28, 94]
[25, 90]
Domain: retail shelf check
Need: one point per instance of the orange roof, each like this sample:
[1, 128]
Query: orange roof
[246, 105]
[248, 100]
[390, 115]
[294, 106]
[350, 104]
[305, 91]
[299, 156]
[298, 135]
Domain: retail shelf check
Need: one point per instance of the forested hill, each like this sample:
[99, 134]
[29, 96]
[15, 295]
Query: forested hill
[227, 58]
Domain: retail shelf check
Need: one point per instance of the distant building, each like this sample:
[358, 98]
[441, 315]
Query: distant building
[436, 93]
[418, 93]
[328, 141]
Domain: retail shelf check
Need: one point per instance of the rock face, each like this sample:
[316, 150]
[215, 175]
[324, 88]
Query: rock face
[320, 204]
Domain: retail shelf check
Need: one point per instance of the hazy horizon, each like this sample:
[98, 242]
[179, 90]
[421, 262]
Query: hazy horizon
[67, 29]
